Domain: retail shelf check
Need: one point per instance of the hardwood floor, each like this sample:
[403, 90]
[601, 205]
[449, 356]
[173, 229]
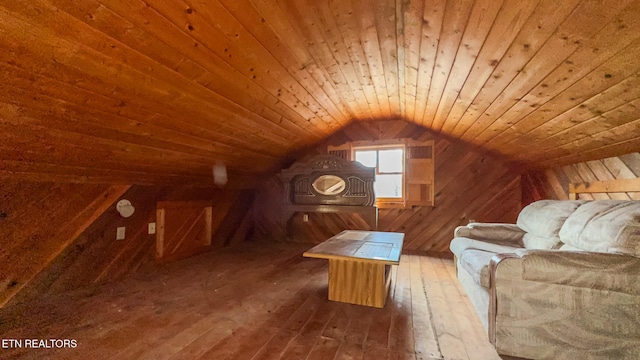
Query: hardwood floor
[255, 301]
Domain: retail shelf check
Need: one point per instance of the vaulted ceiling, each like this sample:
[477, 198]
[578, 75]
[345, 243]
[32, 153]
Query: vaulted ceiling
[127, 91]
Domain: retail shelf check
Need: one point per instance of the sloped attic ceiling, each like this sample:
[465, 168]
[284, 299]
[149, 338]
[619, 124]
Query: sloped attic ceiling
[159, 91]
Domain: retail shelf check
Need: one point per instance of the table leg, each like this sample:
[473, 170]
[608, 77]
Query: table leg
[359, 282]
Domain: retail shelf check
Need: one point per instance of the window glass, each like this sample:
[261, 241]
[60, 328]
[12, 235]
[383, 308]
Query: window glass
[388, 185]
[390, 160]
[389, 164]
[366, 157]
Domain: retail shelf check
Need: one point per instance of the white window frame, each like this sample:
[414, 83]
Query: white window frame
[383, 202]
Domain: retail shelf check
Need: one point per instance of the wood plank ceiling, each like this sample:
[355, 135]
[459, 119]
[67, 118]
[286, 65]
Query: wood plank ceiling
[155, 91]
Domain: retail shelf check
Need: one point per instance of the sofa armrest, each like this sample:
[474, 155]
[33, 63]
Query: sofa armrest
[593, 270]
[490, 231]
[541, 299]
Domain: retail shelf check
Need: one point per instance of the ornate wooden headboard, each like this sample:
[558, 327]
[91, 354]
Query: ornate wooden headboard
[329, 180]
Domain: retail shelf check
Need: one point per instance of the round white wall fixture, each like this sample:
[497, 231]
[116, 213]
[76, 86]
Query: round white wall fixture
[125, 208]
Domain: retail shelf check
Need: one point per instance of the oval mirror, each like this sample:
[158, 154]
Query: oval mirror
[329, 185]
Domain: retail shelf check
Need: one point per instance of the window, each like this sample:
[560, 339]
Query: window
[404, 169]
[389, 164]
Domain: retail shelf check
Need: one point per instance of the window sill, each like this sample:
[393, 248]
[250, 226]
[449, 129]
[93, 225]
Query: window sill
[390, 205]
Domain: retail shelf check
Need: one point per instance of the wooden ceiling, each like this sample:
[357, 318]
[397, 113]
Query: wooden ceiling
[126, 91]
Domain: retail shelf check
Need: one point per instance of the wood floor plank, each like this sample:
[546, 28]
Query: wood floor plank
[360, 321]
[474, 334]
[337, 326]
[457, 309]
[231, 319]
[255, 301]
[199, 336]
[401, 355]
[350, 351]
[378, 335]
[304, 313]
[374, 353]
[451, 345]
[318, 321]
[426, 343]
[276, 346]
[401, 320]
[241, 344]
[299, 348]
[324, 349]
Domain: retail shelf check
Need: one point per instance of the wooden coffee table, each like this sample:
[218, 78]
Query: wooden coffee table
[360, 265]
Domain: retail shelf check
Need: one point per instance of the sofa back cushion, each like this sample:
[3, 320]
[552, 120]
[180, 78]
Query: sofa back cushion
[609, 226]
[543, 220]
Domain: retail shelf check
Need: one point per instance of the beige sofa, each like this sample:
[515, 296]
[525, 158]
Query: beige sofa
[561, 283]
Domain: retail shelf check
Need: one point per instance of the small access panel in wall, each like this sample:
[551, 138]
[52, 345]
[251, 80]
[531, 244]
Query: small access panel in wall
[183, 229]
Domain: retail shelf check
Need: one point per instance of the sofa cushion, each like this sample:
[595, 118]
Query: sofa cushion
[531, 241]
[476, 263]
[609, 226]
[491, 232]
[460, 244]
[544, 219]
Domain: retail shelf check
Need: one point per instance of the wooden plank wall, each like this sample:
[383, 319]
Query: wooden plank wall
[469, 185]
[158, 91]
[59, 237]
[554, 183]
[184, 229]
[39, 220]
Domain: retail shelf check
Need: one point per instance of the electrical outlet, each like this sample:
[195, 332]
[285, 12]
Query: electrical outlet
[120, 233]
[305, 217]
[152, 228]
